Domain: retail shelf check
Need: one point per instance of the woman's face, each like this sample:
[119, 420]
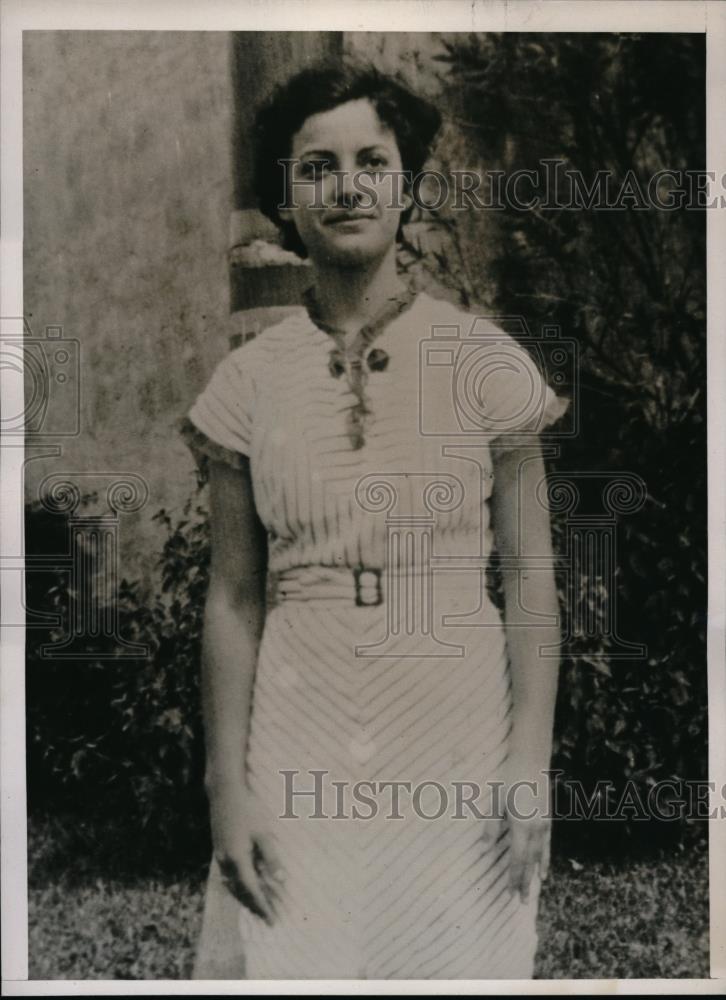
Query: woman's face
[345, 206]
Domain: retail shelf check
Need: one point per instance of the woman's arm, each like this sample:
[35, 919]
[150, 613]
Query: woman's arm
[521, 525]
[233, 621]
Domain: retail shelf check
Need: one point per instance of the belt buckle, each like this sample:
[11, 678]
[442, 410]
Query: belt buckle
[365, 581]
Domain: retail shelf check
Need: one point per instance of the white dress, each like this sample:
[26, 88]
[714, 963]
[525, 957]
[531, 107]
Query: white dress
[382, 658]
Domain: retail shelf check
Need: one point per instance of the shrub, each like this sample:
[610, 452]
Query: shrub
[121, 737]
[629, 287]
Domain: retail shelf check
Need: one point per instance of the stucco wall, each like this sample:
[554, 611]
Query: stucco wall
[128, 188]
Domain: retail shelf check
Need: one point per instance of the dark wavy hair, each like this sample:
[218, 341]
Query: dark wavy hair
[322, 87]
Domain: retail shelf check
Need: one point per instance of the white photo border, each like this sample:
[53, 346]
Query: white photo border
[17, 16]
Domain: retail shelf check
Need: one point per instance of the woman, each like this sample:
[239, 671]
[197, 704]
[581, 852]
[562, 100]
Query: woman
[382, 678]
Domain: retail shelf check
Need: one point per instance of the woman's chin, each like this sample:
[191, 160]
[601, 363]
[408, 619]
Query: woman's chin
[352, 251]
[346, 244]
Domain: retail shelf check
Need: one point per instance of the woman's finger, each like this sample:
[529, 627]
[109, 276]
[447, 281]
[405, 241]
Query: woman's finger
[515, 876]
[268, 867]
[518, 853]
[265, 854]
[526, 881]
[537, 845]
[517, 861]
[253, 880]
[245, 886]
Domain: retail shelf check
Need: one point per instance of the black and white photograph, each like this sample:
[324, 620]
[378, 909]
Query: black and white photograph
[360, 455]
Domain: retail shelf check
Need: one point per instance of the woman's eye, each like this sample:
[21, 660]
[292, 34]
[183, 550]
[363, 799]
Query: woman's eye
[314, 168]
[375, 163]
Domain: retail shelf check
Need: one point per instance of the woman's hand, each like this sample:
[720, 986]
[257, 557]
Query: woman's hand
[526, 812]
[244, 850]
[529, 850]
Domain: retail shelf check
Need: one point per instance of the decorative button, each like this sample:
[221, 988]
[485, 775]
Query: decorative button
[378, 360]
[336, 366]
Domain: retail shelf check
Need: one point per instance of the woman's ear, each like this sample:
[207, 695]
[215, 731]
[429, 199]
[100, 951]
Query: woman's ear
[285, 214]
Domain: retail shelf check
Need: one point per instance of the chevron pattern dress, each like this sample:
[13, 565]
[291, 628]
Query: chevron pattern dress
[382, 683]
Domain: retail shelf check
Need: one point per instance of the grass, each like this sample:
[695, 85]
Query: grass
[108, 930]
[646, 918]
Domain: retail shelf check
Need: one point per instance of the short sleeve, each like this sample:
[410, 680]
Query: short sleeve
[519, 404]
[219, 423]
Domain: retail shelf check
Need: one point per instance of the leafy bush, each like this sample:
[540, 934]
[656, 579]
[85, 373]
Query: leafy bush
[116, 736]
[629, 287]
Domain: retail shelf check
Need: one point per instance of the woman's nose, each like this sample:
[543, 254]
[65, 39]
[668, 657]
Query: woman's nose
[346, 191]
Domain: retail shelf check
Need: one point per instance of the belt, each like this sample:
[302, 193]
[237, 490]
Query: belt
[366, 586]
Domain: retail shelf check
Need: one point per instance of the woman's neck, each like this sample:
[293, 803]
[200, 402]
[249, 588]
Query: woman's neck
[348, 298]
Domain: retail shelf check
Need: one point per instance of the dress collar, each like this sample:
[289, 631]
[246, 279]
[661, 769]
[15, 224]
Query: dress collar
[347, 359]
[392, 307]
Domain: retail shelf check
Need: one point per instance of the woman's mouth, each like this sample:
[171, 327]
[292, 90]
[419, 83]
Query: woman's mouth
[342, 218]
